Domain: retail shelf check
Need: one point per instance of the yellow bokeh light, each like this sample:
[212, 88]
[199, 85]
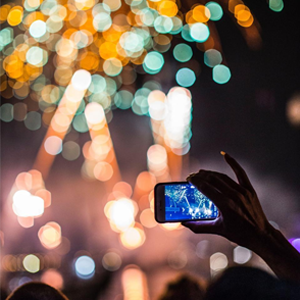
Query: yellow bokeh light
[201, 13]
[31, 263]
[50, 235]
[168, 8]
[133, 238]
[89, 61]
[108, 50]
[4, 11]
[111, 35]
[247, 23]
[13, 65]
[15, 16]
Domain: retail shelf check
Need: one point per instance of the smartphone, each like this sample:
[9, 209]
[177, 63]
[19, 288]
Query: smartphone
[181, 201]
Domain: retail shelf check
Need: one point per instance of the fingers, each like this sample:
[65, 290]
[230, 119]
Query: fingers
[239, 172]
[202, 226]
[222, 183]
[209, 191]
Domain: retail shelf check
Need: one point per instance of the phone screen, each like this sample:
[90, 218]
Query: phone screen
[185, 202]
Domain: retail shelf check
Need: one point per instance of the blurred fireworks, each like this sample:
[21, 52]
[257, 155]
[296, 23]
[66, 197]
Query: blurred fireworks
[45, 42]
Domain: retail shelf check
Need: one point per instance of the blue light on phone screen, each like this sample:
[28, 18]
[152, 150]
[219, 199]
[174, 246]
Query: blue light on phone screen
[185, 202]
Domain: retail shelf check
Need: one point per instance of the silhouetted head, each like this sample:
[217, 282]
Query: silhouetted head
[36, 291]
[184, 288]
[250, 284]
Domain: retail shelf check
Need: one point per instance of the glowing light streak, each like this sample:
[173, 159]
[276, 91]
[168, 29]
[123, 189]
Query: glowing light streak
[67, 109]
[134, 283]
[101, 162]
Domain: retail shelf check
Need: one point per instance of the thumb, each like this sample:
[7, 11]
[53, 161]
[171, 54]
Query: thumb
[209, 226]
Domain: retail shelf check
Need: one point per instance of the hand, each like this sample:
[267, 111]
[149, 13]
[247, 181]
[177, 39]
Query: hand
[241, 218]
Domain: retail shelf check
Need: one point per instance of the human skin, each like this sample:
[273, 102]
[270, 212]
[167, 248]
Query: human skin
[242, 220]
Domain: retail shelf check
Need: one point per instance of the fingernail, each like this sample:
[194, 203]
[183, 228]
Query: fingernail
[190, 176]
[223, 153]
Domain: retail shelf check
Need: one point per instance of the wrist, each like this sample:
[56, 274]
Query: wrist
[279, 254]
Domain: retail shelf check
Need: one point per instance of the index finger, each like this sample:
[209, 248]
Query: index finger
[209, 191]
[240, 173]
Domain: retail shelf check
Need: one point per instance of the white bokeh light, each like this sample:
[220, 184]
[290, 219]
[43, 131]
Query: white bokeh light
[53, 145]
[26, 205]
[85, 267]
[81, 80]
[94, 113]
[37, 29]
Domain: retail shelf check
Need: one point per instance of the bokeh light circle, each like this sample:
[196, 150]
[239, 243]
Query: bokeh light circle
[216, 11]
[182, 52]
[185, 77]
[53, 145]
[153, 62]
[212, 57]
[112, 67]
[31, 263]
[221, 74]
[37, 29]
[33, 120]
[85, 267]
[71, 150]
[199, 32]
[111, 261]
[81, 80]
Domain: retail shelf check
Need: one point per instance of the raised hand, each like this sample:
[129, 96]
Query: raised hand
[242, 220]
